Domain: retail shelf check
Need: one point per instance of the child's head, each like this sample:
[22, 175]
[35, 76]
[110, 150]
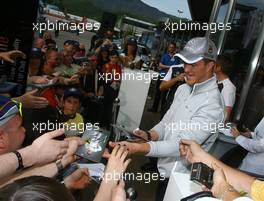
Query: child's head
[114, 56]
[71, 101]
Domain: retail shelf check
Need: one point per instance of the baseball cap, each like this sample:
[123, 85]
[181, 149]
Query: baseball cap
[71, 42]
[105, 48]
[8, 109]
[36, 53]
[197, 49]
[132, 41]
[72, 91]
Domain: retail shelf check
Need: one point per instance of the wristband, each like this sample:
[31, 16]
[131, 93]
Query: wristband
[20, 160]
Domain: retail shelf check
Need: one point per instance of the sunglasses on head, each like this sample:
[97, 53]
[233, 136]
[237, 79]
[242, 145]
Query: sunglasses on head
[19, 106]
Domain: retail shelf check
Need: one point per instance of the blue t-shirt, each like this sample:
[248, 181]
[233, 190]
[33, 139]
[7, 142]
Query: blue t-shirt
[168, 60]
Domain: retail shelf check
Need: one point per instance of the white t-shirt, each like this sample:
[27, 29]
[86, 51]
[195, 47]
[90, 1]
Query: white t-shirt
[228, 92]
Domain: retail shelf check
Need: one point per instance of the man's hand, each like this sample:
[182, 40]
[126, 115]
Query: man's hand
[45, 149]
[79, 179]
[11, 55]
[70, 157]
[142, 134]
[191, 151]
[117, 163]
[131, 147]
[40, 80]
[180, 77]
[119, 193]
[235, 132]
[29, 100]
[220, 183]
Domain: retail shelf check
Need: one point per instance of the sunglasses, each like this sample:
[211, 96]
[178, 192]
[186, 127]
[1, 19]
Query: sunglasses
[19, 106]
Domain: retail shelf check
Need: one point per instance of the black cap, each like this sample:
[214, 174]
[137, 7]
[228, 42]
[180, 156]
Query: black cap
[36, 53]
[104, 48]
[72, 91]
[132, 41]
[113, 53]
[71, 42]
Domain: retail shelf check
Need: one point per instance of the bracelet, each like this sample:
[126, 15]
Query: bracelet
[20, 160]
[228, 189]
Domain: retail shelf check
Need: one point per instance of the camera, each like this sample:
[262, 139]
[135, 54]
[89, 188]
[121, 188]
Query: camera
[202, 174]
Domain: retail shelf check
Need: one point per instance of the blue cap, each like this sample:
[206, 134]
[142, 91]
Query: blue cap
[8, 109]
[72, 91]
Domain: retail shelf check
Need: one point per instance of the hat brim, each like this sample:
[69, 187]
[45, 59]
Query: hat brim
[188, 58]
[7, 87]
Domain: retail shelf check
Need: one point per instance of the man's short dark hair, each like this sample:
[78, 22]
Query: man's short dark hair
[225, 63]
[113, 53]
[35, 188]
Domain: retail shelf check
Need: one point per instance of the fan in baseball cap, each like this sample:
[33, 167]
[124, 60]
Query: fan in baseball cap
[197, 49]
[72, 91]
[8, 109]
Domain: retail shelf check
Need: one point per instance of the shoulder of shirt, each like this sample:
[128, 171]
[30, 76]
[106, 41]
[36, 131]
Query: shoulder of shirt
[76, 66]
[227, 83]
[177, 66]
[62, 66]
[79, 116]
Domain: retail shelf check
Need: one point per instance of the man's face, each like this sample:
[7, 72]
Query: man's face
[198, 72]
[71, 106]
[12, 135]
[69, 48]
[54, 59]
[109, 34]
[131, 48]
[171, 49]
[114, 59]
[40, 43]
[67, 58]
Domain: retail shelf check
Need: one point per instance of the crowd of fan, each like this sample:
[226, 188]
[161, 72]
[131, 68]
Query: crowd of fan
[64, 86]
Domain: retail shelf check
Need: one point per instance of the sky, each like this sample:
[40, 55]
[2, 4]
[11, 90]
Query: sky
[171, 6]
